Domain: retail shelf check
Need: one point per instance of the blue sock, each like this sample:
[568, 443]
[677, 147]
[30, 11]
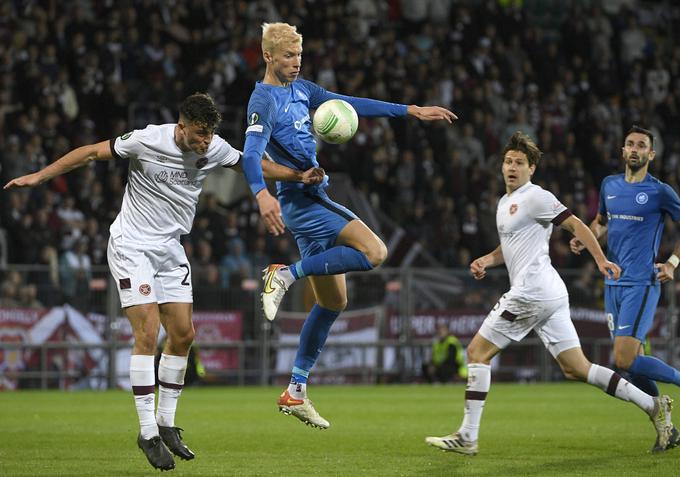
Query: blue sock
[335, 260]
[644, 384]
[654, 368]
[312, 338]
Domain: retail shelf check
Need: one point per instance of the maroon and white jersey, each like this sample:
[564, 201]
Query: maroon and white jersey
[525, 219]
[164, 182]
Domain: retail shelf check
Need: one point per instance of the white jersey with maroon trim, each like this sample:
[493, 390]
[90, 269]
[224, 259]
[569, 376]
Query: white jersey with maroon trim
[163, 182]
[525, 219]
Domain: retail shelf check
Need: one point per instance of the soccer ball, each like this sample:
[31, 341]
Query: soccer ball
[335, 121]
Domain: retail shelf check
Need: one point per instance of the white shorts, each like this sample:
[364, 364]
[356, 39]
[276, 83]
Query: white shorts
[513, 318]
[150, 273]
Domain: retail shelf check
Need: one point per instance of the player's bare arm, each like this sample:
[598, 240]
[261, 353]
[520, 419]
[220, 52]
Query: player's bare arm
[276, 172]
[599, 228]
[586, 237]
[79, 157]
[667, 269]
[431, 113]
[478, 266]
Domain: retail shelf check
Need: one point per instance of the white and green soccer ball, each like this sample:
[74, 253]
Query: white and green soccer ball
[335, 121]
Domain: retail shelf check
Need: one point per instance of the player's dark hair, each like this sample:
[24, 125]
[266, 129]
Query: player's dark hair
[200, 109]
[523, 143]
[637, 129]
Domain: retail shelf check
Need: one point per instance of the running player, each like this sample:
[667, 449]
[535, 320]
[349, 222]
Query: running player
[537, 300]
[633, 206]
[331, 239]
[168, 164]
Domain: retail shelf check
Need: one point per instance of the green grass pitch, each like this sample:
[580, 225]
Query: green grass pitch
[527, 430]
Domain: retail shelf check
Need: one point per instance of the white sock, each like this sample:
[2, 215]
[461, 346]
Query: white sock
[286, 275]
[478, 384]
[143, 379]
[297, 390]
[171, 371]
[614, 385]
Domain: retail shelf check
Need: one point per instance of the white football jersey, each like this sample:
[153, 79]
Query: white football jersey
[163, 182]
[525, 220]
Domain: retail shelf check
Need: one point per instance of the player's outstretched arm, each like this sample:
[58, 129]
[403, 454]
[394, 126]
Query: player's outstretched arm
[431, 113]
[100, 151]
[599, 229]
[276, 172]
[478, 266]
[667, 269]
[585, 236]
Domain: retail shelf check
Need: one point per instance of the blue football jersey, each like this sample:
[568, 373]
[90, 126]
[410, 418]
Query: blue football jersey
[635, 218]
[280, 115]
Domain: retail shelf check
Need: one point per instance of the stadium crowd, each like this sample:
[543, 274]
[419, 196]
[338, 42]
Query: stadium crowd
[573, 75]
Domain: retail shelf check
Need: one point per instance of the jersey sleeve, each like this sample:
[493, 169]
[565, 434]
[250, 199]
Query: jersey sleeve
[547, 208]
[129, 145]
[261, 115]
[226, 154]
[364, 106]
[670, 202]
[602, 208]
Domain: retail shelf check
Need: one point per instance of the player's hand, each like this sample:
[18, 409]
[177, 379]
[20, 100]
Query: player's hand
[478, 268]
[666, 272]
[431, 113]
[29, 180]
[313, 176]
[270, 210]
[609, 269]
[576, 246]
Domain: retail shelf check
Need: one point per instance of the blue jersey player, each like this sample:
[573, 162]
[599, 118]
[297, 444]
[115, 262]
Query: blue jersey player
[331, 239]
[631, 216]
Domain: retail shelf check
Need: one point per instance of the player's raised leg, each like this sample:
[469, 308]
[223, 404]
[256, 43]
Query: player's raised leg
[464, 440]
[176, 318]
[145, 322]
[331, 297]
[357, 248]
[577, 367]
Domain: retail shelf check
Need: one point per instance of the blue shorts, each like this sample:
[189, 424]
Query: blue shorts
[314, 220]
[630, 309]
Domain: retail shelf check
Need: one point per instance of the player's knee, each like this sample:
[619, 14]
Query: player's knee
[474, 354]
[623, 360]
[377, 253]
[335, 304]
[181, 342]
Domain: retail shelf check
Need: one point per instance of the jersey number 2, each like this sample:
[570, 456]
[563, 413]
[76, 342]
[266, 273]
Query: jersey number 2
[184, 280]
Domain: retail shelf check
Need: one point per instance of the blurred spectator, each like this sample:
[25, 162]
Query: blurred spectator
[75, 273]
[235, 264]
[447, 359]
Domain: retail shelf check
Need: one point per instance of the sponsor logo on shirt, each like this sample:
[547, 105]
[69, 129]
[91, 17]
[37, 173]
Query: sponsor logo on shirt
[641, 198]
[298, 124]
[176, 178]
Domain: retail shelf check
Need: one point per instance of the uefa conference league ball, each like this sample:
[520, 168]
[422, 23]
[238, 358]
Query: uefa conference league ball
[335, 121]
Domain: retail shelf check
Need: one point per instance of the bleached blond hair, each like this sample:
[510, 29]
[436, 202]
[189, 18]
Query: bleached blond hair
[275, 35]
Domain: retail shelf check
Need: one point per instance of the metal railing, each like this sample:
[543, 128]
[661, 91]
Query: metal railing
[404, 294]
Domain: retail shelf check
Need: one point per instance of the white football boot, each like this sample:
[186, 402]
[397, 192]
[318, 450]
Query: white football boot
[273, 291]
[303, 409]
[453, 443]
[661, 418]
